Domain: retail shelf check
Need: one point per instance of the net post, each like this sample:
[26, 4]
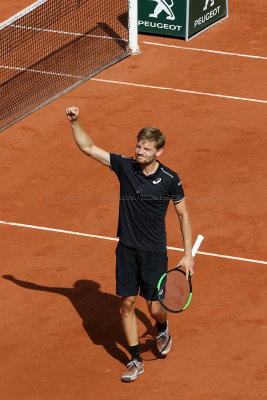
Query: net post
[133, 26]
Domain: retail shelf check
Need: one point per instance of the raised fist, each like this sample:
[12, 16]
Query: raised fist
[72, 113]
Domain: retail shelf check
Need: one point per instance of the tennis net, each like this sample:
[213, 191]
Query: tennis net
[53, 46]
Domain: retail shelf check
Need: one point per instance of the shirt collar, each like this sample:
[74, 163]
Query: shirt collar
[138, 170]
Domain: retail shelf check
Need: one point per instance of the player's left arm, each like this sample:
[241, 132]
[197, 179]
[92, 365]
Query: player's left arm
[186, 229]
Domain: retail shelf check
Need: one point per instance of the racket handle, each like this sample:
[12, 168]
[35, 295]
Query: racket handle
[197, 244]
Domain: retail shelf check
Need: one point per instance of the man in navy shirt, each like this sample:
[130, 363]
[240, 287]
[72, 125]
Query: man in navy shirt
[146, 188]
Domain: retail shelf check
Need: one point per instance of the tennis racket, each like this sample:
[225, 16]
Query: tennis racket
[174, 291]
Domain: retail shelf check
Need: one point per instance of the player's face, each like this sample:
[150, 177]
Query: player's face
[146, 152]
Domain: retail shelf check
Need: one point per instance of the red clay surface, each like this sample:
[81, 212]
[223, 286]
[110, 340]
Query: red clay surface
[61, 335]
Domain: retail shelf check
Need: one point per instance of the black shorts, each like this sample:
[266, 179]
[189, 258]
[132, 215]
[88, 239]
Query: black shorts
[139, 270]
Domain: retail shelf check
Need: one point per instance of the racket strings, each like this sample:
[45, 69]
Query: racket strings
[175, 291]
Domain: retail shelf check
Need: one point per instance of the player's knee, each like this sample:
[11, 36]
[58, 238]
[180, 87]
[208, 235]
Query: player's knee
[128, 305]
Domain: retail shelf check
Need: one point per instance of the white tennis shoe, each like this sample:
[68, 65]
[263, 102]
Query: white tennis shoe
[134, 368]
[164, 342]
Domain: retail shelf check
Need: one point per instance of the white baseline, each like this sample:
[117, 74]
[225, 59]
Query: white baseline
[180, 90]
[43, 228]
[140, 85]
[206, 50]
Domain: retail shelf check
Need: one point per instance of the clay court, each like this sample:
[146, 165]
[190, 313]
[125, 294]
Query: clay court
[60, 318]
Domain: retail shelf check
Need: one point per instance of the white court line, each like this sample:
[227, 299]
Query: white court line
[139, 85]
[66, 33]
[180, 90]
[42, 228]
[40, 72]
[207, 51]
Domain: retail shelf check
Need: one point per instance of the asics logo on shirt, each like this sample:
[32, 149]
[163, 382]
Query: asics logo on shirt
[158, 180]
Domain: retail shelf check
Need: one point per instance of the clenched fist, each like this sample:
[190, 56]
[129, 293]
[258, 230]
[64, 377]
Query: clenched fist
[72, 113]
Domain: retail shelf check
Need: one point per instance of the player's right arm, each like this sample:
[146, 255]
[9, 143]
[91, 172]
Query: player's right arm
[84, 142]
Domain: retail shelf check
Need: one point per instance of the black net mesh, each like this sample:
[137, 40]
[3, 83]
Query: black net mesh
[56, 46]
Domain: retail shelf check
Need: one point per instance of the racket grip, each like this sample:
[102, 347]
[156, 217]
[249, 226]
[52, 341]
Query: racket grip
[197, 244]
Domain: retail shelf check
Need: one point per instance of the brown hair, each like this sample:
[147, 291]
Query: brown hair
[152, 134]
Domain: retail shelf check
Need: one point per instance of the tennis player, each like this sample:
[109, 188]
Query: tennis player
[146, 188]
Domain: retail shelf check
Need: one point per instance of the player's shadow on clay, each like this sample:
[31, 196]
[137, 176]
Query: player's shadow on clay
[100, 314]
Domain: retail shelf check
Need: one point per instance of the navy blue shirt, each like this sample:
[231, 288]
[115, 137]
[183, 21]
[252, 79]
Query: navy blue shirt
[144, 202]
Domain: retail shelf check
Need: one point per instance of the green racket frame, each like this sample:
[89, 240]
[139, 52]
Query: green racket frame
[159, 290]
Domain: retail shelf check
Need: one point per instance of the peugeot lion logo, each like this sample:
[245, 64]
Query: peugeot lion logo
[206, 4]
[162, 5]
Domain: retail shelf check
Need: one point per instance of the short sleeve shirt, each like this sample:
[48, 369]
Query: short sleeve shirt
[144, 202]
